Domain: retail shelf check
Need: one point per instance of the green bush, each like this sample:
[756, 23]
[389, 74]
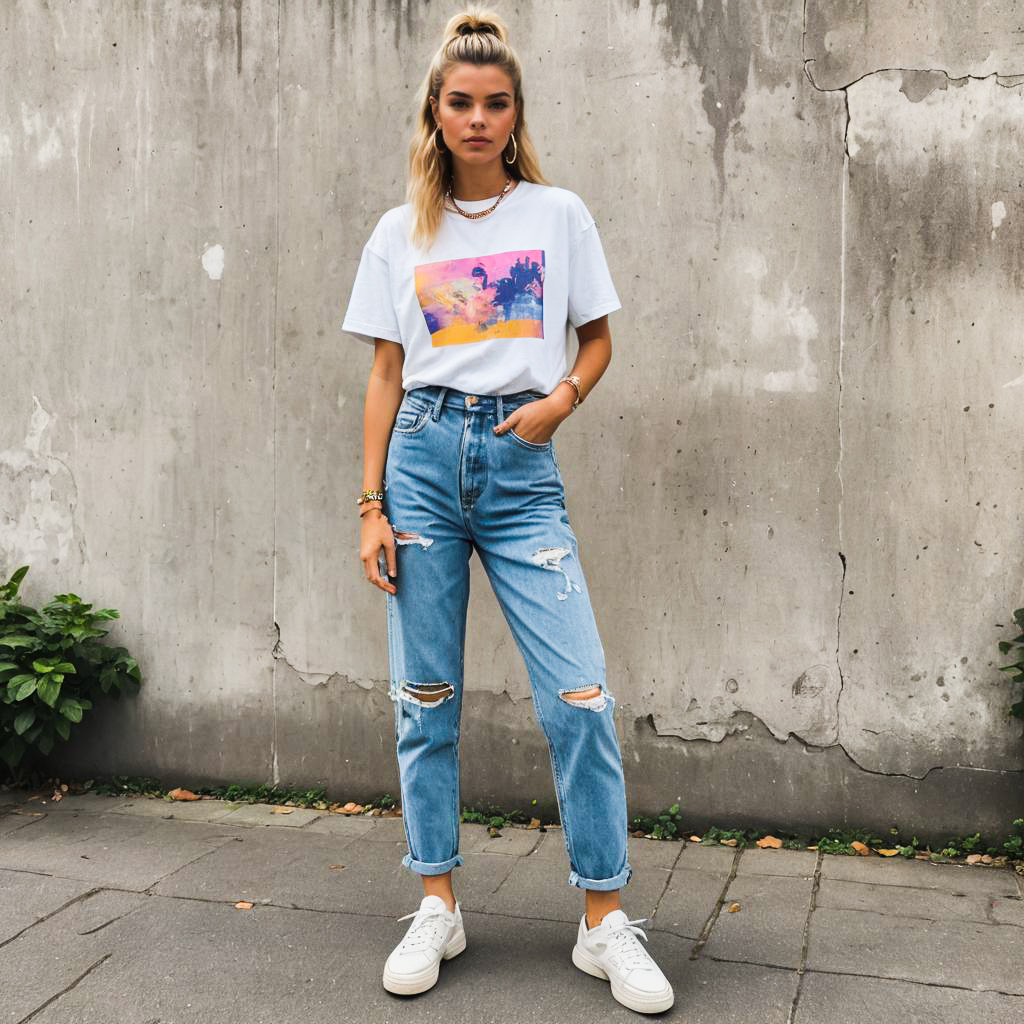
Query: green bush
[53, 662]
[1015, 647]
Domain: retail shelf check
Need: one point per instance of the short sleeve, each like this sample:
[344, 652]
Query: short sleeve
[591, 290]
[371, 308]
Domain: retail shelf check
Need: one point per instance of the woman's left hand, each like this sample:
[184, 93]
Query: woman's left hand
[537, 421]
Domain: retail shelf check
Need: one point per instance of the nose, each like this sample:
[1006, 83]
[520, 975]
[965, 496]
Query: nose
[478, 117]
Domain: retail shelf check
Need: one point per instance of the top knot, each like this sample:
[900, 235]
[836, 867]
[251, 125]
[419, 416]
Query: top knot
[476, 28]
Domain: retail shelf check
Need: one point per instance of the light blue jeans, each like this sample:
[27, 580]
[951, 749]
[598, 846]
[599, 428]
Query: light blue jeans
[451, 487]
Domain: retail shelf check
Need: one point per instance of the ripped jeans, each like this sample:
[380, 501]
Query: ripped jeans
[451, 487]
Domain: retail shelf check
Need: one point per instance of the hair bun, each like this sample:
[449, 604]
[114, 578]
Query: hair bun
[472, 28]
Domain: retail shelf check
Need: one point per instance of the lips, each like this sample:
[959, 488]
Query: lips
[477, 138]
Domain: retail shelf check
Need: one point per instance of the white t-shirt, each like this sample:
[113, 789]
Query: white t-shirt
[487, 308]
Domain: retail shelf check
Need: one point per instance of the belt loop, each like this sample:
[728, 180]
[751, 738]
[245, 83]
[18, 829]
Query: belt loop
[438, 403]
[501, 412]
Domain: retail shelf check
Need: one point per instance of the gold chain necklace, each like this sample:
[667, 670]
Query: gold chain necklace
[480, 213]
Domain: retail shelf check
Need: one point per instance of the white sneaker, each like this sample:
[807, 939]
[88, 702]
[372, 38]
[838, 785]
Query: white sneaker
[436, 933]
[612, 951]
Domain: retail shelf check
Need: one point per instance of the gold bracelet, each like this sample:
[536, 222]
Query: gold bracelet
[575, 382]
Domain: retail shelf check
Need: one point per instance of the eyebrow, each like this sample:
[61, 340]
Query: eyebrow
[493, 95]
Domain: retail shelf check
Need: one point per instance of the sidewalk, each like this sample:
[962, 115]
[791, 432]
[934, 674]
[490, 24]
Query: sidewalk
[121, 911]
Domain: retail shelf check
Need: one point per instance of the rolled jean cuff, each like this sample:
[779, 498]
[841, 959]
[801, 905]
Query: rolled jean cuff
[422, 867]
[602, 884]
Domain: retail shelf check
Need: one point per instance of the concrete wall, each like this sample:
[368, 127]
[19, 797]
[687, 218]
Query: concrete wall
[797, 489]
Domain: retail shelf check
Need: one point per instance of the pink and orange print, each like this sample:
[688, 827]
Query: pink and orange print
[483, 297]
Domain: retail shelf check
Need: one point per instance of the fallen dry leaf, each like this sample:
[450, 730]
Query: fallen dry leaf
[812, 847]
[694, 839]
[243, 905]
[281, 810]
[57, 795]
[888, 853]
[335, 867]
[182, 794]
[770, 841]
[350, 806]
[728, 842]
[974, 858]
[534, 823]
[861, 849]
[733, 907]
[986, 858]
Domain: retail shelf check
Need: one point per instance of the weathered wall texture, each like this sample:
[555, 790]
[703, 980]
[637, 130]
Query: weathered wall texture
[797, 489]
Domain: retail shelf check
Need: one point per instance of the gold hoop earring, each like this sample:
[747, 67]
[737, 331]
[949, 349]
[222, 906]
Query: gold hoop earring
[515, 150]
[436, 146]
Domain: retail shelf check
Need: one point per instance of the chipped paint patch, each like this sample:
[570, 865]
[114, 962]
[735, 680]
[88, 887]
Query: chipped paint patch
[551, 558]
[38, 497]
[998, 215]
[213, 261]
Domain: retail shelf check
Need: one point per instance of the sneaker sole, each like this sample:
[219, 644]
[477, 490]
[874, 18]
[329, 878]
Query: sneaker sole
[412, 984]
[642, 1004]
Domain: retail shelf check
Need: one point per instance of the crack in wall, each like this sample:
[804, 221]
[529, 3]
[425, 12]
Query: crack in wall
[310, 677]
[818, 748]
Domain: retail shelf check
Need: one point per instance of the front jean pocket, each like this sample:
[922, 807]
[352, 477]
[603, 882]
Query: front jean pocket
[530, 445]
[411, 418]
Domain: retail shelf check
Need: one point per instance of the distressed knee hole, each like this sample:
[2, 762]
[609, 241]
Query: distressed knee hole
[593, 698]
[427, 693]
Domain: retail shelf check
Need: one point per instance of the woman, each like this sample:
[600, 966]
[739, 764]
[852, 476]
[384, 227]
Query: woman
[466, 293]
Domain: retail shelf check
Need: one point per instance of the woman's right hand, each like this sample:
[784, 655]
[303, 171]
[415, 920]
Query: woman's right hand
[376, 533]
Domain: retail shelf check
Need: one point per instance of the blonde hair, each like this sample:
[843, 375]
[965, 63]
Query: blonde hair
[474, 36]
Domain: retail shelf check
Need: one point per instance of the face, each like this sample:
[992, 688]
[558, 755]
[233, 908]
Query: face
[477, 103]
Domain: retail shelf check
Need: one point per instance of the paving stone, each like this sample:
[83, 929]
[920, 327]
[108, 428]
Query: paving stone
[921, 873]
[854, 1000]
[717, 992]
[707, 858]
[538, 884]
[55, 953]
[289, 868]
[688, 901]
[272, 965]
[341, 825]
[108, 849]
[26, 897]
[270, 814]
[768, 927]
[89, 803]
[183, 810]
[907, 901]
[19, 818]
[757, 861]
[976, 956]
[382, 830]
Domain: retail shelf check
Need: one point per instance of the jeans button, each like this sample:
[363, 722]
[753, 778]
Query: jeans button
[471, 399]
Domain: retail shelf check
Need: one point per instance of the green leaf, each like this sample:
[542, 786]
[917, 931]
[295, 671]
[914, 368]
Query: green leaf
[26, 688]
[8, 666]
[45, 743]
[63, 727]
[42, 666]
[48, 690]
[71, 709]
[24, 720]
[19, 640]
[65, 667]
[19, 575]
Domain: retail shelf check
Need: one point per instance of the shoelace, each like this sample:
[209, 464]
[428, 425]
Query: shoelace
[625, 946]
[430, 927]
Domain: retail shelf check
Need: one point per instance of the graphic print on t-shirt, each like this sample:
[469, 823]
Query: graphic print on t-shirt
[483, 297]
